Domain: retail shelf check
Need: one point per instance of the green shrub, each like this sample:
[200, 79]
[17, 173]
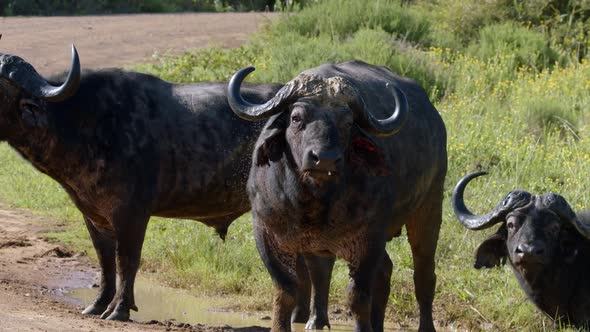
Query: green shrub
[210, 64]
[458, 21]
[526, 47]
[340, 19]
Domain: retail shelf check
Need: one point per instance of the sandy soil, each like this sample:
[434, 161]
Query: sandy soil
[33, 271]
[119, 40]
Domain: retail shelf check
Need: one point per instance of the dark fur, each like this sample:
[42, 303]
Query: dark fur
[128, 146]
[556, 280]
[380, 185]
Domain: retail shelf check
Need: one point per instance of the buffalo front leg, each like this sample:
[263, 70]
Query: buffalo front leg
[423, 232]
[381, 289]
[104, 244]
[130, 234]
[359, 291]
[320, 273]
[301, 312]
[282, 268]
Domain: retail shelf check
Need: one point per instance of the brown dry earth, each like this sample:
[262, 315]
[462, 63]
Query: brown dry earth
[120, 40]
[33, 271]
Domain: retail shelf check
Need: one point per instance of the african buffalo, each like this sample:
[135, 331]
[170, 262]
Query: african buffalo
[126, 146]
[546, 244]
[329, 178]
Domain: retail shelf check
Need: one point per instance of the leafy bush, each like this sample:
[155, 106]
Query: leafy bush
[458, 21]
[524, 46]
[339, 19]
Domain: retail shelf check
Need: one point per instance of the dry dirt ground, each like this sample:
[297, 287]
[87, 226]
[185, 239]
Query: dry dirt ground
[34, 272]
[119, 40]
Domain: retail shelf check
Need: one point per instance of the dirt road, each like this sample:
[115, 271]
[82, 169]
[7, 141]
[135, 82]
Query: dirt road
[34, 272]
[115, 41]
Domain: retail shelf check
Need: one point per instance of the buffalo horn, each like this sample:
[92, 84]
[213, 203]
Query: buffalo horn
[27, 78]
[514, 200]
[254, 112]
[385, 127]
[561, 207]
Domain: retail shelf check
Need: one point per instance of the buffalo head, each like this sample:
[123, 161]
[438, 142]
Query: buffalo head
[537, 231]
[22, 90]
[321, 125]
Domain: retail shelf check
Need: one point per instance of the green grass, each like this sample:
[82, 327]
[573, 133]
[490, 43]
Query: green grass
[515, 102]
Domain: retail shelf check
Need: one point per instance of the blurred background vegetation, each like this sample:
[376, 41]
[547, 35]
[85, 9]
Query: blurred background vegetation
[511, 79]
[86, 7]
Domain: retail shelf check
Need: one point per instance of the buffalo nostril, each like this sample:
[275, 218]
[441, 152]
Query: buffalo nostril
[313, 157]
[530, 251]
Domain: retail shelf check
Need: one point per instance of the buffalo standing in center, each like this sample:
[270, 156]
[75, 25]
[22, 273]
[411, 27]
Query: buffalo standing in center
[126, 146]
[546, 244]
[344, 162]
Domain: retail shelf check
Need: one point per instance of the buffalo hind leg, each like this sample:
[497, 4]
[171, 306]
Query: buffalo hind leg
[320, 273]
[130, 235]
[301, 312]
[381, 289]
[423, 229]
[104, 245]
[282, 268]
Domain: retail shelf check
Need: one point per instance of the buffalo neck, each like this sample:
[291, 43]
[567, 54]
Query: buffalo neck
[51, 150]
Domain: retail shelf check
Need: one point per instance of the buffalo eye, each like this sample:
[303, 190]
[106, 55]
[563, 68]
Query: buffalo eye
[513, 222]
[296, 119]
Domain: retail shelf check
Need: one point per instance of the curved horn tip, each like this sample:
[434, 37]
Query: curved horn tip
[393, 124]
[466, 217]
[460, 187]
[75, 57]
[242, 73]
[402, 95]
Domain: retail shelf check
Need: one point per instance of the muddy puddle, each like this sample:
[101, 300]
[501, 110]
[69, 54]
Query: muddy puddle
[157, 302]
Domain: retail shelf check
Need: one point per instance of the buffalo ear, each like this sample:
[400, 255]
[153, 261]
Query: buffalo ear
[568, 246]
[365, 156]
[31, 113]
[492, 251]
[271, 142]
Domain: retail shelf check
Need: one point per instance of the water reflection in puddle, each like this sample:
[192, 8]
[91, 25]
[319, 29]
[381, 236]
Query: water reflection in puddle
[157, 302]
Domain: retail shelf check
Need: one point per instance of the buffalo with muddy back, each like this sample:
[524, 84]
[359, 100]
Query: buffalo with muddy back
[126, 146]
[349, 155]
[545, 242]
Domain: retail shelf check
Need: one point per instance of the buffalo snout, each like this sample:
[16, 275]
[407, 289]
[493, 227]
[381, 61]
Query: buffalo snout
[322, 160]
[529, 253]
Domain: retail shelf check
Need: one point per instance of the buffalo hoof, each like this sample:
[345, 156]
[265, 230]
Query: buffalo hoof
[317, 323]
[118, 315]
[429, 328]
[94, 309]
